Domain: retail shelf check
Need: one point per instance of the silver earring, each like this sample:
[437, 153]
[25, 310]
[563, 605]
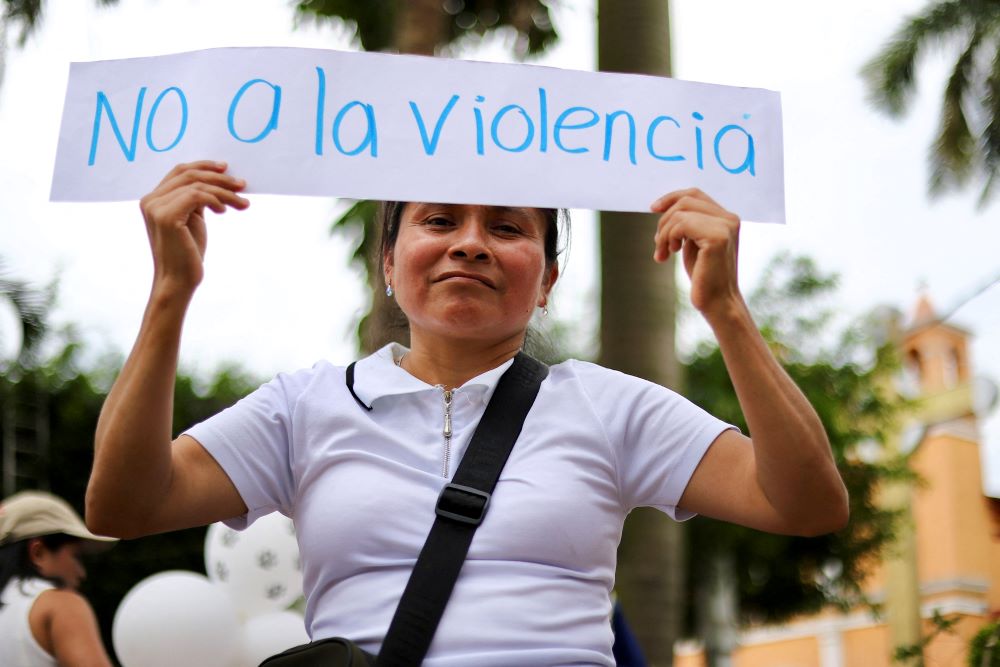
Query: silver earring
[545, 311]
[388, 288]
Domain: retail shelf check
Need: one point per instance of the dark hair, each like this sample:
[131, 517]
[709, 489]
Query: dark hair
[16, 563]
[390, 213]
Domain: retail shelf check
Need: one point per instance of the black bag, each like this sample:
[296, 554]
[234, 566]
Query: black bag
[459, 511]
[332, 652]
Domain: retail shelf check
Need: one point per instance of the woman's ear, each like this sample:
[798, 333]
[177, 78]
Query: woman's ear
[549, 281]
[387, 265]
[36, 550]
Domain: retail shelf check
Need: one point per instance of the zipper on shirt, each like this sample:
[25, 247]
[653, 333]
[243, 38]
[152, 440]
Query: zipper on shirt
[448, 394]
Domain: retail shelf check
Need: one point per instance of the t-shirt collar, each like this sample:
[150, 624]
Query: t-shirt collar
[377, 376]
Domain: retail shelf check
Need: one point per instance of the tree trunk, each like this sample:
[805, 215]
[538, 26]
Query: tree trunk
[638, 302]
[420, 26]
[717, 605]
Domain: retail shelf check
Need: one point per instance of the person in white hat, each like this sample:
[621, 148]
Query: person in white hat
[44, 620]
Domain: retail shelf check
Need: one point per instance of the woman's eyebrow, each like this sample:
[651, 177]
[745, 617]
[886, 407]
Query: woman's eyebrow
[519, 210]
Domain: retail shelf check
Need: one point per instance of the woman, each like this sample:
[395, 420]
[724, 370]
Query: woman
[44, 621]
[361, 483]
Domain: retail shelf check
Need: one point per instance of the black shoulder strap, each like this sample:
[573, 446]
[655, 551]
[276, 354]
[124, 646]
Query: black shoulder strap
[460, 509]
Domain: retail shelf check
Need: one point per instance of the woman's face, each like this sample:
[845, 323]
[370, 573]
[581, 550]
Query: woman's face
[62, 563]
[470, 272]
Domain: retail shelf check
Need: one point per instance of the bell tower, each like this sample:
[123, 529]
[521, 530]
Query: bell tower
[946, 564]
[935, 354]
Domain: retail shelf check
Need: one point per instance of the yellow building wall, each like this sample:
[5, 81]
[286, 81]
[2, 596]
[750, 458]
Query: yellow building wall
[993, 597]
[953, 538]
[803, 652]
[951, 648]
[867, 647]
[689, 660]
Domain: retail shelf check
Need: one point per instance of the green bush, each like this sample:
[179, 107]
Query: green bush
[984, 649]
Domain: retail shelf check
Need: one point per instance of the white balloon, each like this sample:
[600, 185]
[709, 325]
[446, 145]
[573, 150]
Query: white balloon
[267, 634]
[258, 567]
[176, 618]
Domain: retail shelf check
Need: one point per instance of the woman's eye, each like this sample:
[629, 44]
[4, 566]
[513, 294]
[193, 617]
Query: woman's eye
[438, 222]
[505, 228]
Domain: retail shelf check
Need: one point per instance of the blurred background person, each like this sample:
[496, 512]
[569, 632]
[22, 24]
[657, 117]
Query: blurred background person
[44, 620]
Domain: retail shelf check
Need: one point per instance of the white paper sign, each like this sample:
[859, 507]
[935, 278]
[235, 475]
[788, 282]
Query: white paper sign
[410, 128]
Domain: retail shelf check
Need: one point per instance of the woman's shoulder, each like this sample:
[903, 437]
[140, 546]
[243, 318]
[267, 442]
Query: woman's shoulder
[300, 380]
[590, 372]
[60, 599]
[62, 608]
[606, 388]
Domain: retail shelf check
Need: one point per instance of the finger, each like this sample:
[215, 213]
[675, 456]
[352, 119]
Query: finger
[174, 207]
[192, 176]
[165, 197]
[705, 207]
[670, 235]
[687, 206]
[215, 197]
[205, 170]
[669, 199]
[202, 165]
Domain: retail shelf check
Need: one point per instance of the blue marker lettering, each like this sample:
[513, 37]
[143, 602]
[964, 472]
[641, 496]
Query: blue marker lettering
[104, 105]
[371, 136]
[649, 139]
[152, 115]
[748, 161]
[272, 123]
[609, 128]
[479, 125]
[543, 121]
[430, 145]
[320, 108]
[697, 140]
[561, 125]
[529, 135]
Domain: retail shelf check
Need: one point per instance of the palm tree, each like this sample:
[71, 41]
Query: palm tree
[967, 147]
[423, 27]
[637, 336]
[31, 306]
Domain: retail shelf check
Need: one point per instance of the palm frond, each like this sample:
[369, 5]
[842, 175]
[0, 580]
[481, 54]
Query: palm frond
[890, 75]
[24, 13]
[31, 306]
[990, 140]
[954, 150]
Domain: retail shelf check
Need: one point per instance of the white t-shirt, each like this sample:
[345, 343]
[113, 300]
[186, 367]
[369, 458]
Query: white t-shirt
[361, 487]
[17, 645]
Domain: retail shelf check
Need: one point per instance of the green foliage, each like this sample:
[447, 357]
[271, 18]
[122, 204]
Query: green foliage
[374, 22]
[780, 576]
[984, 649]
[967, 145]
[913, 654]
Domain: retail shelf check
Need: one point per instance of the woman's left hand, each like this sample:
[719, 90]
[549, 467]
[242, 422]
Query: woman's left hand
[707, 235]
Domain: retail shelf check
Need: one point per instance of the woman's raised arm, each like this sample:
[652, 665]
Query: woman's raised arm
[785, 479]
[140, 483]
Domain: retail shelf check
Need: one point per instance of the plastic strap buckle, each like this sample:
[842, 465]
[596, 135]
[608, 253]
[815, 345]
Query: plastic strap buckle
[463, 504]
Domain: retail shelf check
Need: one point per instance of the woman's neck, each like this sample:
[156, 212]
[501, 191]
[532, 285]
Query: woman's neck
[452, 363]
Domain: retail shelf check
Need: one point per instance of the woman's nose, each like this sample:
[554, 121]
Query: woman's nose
[470, 243]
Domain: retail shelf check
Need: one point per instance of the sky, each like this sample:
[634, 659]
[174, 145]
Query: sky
[279, 292]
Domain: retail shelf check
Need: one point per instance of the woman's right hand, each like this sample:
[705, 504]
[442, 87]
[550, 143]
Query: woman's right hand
[175, 222]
